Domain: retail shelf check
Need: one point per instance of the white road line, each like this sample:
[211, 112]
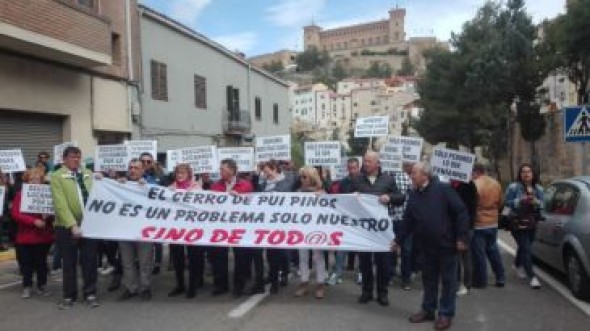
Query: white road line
[249, 304]
[548, 279]
[5, 286]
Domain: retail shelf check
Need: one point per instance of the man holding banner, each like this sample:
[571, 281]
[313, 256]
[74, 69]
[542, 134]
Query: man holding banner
[230, 183]
[373, 181]
[70, 187]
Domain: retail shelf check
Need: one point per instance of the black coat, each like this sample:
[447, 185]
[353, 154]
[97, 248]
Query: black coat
[384, 184]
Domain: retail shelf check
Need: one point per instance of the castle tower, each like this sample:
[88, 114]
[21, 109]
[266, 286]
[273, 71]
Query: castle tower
[311, 36]
[397, 20]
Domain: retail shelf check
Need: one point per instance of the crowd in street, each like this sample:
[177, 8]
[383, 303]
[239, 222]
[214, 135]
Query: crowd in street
[446, 231]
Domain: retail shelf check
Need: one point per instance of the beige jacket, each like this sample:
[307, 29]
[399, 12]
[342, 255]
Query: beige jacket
[489, 202]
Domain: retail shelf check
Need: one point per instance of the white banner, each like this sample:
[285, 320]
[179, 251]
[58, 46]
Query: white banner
[374, 126]
[172, 158]
[244, 157]
[202, 159]
[36, 199]
[411, 147]
[322, 153]
[12, 160]
[391, 157]
[134, 212]
[2, 197]
[273, 147]
[137, 147]
[111, 157]
[58, 151]
[452, 164]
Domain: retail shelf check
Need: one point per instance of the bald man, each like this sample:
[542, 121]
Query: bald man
[373, 181]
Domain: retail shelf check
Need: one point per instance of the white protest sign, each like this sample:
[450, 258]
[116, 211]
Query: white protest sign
[172, 158]
[111, 157]
[411, 147]
[273, 147]
[391, 157]
[244, 157]
[339, 172]
[36, 199]
[12, 160]
[322, 153]
[452, 164]
[2, 197]
[137, 147]
[58, 151]
[150, 213]
[374, 126]
[202, 159]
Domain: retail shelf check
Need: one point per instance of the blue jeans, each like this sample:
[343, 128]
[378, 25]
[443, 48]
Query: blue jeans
[524, 256]
[439, 268]
[484, 245]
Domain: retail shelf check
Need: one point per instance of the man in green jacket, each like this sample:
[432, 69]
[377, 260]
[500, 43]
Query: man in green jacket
[70, 187]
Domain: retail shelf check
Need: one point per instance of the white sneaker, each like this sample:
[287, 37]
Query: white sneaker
[520, 273]
[462, 291]
[332, 279]
[26, 293]
[359, 278]
[535, 283]
[106, 270]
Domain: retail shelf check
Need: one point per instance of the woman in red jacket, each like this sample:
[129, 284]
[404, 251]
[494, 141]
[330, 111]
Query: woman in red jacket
[33, 239]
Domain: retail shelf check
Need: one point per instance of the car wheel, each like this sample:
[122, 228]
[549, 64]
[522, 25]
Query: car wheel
[577, 278]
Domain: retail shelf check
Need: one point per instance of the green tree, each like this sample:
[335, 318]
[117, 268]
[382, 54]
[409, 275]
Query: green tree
[297, 153]
[358, 146]
[378, 70]
[311, 59]
[339, 72]
[407, 68]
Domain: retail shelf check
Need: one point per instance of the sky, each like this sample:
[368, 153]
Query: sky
[262, 26]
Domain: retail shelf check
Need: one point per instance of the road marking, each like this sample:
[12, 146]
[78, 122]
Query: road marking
[5, 286]
[249, 304]
[556, 285]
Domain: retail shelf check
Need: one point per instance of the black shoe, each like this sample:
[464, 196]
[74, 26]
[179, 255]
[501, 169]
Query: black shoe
[65, 304]
[156, 270]
[365, 297]
[176, 292]
[218, 291]
[257, 289]
[146, 295]
[126, 295]
[191, 293]
[274, 288]
[383, 300]
[115, 283]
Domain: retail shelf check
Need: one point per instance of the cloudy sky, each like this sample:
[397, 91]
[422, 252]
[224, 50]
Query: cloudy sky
[261, 26]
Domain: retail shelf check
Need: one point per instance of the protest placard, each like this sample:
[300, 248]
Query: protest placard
[244, 157]
[273, 220]
[36, 199]
[273, 147]
[111, 157]
[172, 158]
[58, 151]
[411, 147]
[12, 160]
[391, 157]
[137, 147]
[322, 153]
[452, 164]
[374, 126]
[202, 159]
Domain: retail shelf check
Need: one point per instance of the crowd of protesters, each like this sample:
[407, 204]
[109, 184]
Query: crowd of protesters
[447, 232]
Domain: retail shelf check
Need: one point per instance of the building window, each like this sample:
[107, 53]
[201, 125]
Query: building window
[159, 81]
[116, 49]
[258, 108]
[87, 3]
[200, 92]
[233, 102]
[275, 113]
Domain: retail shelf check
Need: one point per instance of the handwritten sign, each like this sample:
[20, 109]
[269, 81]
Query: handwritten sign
[111, 157]
[374, 126]
[244, 157]
[324, 153]
[273, 147]
[452, 164]
[37, 199]
[12, 160]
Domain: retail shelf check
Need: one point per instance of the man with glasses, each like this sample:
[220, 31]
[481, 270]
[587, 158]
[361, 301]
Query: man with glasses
[137, 277]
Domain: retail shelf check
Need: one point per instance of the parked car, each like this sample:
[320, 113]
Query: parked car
[563, 239]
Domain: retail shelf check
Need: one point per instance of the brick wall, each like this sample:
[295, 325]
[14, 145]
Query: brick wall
[59, 20]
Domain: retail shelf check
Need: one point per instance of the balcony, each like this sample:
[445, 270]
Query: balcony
[56, 30]
[236, 123]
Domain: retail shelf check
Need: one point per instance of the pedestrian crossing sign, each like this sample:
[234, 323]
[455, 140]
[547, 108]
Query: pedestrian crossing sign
[577, 124]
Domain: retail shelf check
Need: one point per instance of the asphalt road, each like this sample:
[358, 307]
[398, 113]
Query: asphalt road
[515, 307]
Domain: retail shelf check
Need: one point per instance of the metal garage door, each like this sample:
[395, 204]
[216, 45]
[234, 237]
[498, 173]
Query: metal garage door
[32, 132]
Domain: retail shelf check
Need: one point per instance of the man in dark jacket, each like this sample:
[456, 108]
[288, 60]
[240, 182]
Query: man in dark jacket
[372, 181]
[439, 222]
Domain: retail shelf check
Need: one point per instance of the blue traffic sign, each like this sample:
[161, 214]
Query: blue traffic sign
[577, 124]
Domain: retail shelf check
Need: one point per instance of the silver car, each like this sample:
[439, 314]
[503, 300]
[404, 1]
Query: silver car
[563, 239]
